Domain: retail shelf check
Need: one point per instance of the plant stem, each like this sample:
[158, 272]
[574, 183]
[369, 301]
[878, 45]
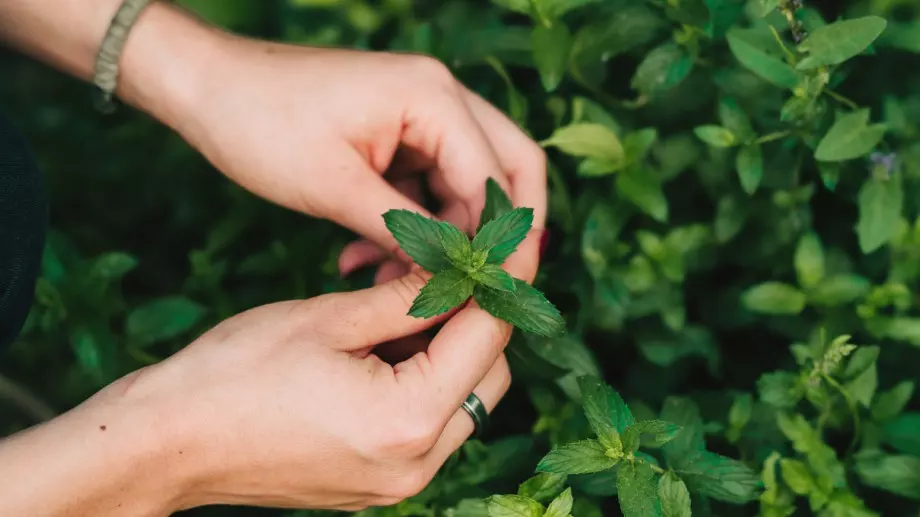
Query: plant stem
[842, 100]
[773, 136]
[851, 405]
[25, 400]
[790, 54]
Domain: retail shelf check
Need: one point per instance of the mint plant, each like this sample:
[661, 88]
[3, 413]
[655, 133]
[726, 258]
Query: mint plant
[464, 268]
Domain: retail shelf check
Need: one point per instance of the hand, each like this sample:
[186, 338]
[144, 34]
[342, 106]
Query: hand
[341, 134]
[282, 406]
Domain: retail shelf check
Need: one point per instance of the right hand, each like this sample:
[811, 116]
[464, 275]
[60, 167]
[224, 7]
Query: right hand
[286, 405]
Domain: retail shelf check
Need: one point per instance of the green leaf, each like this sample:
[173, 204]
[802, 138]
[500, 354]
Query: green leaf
[880, 205]
[889, 404]
[774, 298]
[589, 140]
[581, 457]
[652, 433]
[839, 290]
[494, 277]
[637, 490]
[903, 433]
[557, 8]
[162, 319]
[420, 238]
[761, 8]
[603, 406]
[497, 203]
[755, 54]
[543, 487]
[597, 167]
[850, 137]
[642, 188]
[780, 389]
[720, 478]
[663, 68]
[113, 266]
[562, 505]
[750, 167]
[443, 292]
[835, 43]
[716, 136]
[525, 308]
[862, 388]
[685, 413]
[501, 236]
[896, 474]
[734, 119]
[551, 52]
[456, 246]
[809, 260]
[514, 506]
[797, 477]
[674, 496]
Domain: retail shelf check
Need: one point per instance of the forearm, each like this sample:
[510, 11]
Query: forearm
[101, 459]
[160, 61]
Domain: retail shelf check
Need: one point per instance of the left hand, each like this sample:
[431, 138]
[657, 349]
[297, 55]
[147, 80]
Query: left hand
[339, 133]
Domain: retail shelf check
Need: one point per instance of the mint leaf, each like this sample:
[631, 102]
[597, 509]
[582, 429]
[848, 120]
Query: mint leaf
[880, 203]
[604, 408]
[656, 433]
[757, 55]
[774, 298]
[902, 433]
[850, 137]
[442, 293]
[809, 260]
[162, 319]
[456, 245]
[525, 308]
[501, 236]
[543, 487]
[835, 43]
[514, 506]
[581, 457]
[663, 68]
[716, 136]
[497, 203]
[749, 163]
[797, 477]
[551, 52]
[419, 237]
[587, 140]
[685, 413]
[561, 506]
[896, 474]
[889, 404]
[494, 277]
[674, 496]
[780, 389]
[637, 490]
[720, 478]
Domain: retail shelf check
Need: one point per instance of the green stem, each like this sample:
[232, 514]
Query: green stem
[851, 405]
[773, 136]
[842, 100]
[790, 54]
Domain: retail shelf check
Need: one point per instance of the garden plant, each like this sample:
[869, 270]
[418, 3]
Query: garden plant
[726, 321]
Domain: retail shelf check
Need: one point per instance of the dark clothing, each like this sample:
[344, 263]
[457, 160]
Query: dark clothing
[23, 223]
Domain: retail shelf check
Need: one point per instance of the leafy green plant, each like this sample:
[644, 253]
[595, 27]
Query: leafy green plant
[463, 269]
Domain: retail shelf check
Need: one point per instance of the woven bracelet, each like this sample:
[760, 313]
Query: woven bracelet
[107, 60]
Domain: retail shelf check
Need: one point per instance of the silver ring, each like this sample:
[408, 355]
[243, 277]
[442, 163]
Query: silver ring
[477, 411]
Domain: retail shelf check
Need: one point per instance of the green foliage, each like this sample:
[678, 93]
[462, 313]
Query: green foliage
[728, 180]
[463, 269]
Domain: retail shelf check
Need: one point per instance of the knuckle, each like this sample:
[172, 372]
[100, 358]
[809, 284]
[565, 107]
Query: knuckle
[408, 483]
[410, 438]
[433, 71]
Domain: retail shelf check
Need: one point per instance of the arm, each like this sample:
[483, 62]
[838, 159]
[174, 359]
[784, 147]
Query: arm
[159, 63]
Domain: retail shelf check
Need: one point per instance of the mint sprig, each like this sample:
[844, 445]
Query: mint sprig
[463, 268]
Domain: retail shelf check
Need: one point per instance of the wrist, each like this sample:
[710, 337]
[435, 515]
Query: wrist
[165, 62]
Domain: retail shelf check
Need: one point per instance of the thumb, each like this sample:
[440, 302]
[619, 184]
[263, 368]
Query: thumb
[374, 315]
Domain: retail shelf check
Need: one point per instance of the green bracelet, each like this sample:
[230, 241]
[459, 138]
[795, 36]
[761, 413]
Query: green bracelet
[107, 67]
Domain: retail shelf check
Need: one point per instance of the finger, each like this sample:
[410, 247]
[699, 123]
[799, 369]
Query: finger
[451, 135]
[521, 159]
[362, 201]
[394, 352]
[457, 359]
[355, 320]
[458, 430]
[391, 270]
[363, 252]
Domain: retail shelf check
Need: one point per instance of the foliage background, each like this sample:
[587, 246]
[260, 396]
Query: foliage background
[652, 261]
